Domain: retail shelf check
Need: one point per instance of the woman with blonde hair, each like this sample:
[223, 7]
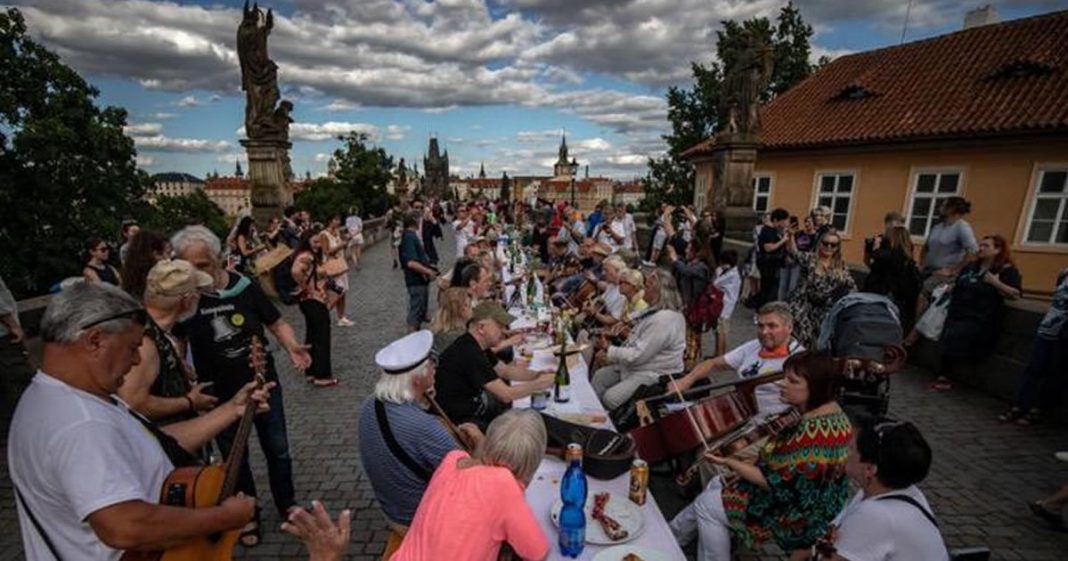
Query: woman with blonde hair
[824, 280]
[450, 319]
[475, 504]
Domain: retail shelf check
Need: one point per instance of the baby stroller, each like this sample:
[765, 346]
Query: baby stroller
[865, 330]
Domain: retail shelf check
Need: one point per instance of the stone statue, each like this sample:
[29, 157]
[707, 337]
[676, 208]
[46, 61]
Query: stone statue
[743, 85]
[259, 78]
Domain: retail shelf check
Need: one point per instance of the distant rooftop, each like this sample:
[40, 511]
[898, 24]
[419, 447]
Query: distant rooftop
[175, 177]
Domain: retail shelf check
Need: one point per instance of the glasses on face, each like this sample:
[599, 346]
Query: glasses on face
[830, 245]
[138, 315]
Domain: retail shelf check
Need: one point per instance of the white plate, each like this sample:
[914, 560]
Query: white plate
[628, 514]
[618, 552]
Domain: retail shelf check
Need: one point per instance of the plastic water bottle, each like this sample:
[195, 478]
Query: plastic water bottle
[573, 513]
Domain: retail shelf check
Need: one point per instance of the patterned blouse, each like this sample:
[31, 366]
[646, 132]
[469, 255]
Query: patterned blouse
[805, 470]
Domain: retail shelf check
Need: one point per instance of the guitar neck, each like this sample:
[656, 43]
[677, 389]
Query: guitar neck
[237, 452]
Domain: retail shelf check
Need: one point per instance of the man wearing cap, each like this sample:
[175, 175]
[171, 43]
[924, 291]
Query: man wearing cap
[401, 444]
[472, 385]
[159, 386]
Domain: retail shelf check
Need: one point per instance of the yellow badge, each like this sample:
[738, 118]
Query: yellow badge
[237, 320]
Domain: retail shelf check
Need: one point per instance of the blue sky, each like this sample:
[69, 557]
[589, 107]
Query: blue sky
[496, 81]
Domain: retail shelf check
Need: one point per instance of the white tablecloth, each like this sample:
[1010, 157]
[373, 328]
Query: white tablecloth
[544, 489]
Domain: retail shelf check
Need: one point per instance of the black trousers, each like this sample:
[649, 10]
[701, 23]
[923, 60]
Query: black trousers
[317, 335]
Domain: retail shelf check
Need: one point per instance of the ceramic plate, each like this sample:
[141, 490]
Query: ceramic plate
[628, 514]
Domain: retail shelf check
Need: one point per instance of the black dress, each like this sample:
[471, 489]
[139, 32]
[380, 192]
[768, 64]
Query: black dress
[976, 309]
[894, 274]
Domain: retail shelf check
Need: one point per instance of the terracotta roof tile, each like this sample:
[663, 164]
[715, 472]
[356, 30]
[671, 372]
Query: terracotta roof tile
[1008, 78]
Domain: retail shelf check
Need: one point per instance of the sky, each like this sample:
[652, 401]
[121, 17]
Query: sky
[496, 81]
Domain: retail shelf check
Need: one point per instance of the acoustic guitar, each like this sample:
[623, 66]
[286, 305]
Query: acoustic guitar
[208, 486]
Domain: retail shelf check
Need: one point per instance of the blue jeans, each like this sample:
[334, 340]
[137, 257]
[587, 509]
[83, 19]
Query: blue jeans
[1043, 379]
[417, 305]
[274, 441]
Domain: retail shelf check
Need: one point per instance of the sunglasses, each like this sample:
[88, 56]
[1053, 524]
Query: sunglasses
[830, 245]
[139, 315]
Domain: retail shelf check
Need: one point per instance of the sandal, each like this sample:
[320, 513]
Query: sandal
[1052, 518]
[325, 382]
[250, 534]
[1033, 417]
[1011, 415]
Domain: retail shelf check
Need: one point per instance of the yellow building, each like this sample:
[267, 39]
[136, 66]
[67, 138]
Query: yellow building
[980, 113]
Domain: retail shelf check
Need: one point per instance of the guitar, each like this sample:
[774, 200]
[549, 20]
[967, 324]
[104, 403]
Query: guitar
[208, 486]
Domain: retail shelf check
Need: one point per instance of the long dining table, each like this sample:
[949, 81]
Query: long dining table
[544, 489]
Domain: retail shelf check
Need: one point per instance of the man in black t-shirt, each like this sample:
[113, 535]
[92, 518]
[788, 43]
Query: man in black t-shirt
[771, 254]
[219, 335]
[469, 384]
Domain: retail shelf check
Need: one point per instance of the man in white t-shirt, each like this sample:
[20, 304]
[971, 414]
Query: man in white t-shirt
[758, 357]
[354, 226]
[464, 228]
[629, 227]
[87, 471]
[888, 519]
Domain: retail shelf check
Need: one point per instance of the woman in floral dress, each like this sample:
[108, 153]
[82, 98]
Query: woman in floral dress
[824, 280]
[798, 484]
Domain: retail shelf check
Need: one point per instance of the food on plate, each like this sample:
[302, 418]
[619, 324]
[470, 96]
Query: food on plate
[632, 557]
[611, 527]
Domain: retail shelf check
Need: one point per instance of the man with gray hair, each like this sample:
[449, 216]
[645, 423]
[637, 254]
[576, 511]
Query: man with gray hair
[88, 470]
[654, 345]
[401, 443]
[229, 315]
[763, 355]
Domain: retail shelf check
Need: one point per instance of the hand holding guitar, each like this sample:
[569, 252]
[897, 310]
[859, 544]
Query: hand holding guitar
[258, 395]
[325, 540]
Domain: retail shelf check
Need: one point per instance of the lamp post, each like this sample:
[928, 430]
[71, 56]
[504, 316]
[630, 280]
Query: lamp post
[573, 167]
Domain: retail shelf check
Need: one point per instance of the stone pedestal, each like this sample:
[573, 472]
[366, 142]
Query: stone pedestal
[269, 172]
[731, 189]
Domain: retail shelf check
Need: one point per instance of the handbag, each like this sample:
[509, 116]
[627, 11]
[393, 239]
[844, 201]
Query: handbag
[606, 454]
[934, 319]
[334, 266]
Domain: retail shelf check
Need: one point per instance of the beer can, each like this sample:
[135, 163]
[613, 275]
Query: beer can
[539, 400]
[639, 481]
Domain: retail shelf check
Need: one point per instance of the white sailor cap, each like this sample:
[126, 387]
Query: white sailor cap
[405, 353]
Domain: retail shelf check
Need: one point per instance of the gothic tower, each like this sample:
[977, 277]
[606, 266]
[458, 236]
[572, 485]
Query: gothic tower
[436, 172]
[562, 168]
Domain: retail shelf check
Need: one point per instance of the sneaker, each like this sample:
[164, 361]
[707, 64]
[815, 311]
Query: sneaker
[345, 322]
[1062, 456]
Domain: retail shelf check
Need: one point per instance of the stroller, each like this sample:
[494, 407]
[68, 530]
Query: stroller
[865, 330]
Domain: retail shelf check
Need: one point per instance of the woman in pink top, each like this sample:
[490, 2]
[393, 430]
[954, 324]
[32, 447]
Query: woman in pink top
[475, 504]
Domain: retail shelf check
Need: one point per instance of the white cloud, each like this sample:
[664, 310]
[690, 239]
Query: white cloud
[164, 116]
[321, 157]
[143, 129]
[145, 161]
[189, 101]
[330, 130]
[160, 143]
[340, 105]
[233, 158]
[397, 132]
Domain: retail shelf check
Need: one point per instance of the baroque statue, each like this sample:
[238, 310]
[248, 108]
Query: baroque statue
[743, 86]
[265, 117]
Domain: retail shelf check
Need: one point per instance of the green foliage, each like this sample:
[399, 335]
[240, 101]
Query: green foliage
[170, 214]
[693, 112]
[67, 171]
[362, 174]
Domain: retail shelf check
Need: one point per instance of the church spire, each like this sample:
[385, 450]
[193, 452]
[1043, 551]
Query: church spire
[237, 171]
[482, 171]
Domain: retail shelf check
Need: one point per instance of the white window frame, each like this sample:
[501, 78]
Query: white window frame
[1027, 214]
[756, 194]
[914, 179]
[817, 178]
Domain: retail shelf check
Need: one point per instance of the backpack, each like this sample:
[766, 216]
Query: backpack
[861, 325]
[283, 285]
[703, 313]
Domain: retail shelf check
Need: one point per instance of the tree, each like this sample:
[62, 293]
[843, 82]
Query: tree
[324, 197]
[365, 171]
[170, 214]
[693, 112]
[67, 171]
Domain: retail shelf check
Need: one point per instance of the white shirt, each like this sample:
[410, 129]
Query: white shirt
[71, 454]
[354, 224]
[630, 227]
[878, 529]
[617, 226]
[748, 363]
[463, 235]
[614, 301]
[730, 282]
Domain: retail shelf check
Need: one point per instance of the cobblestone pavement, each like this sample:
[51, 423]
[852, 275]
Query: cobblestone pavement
[984, 472]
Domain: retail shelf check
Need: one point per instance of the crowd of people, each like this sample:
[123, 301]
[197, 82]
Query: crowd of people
[147, 367]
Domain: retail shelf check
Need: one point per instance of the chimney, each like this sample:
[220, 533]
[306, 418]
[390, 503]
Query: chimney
[587, 171]
[983, 15]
